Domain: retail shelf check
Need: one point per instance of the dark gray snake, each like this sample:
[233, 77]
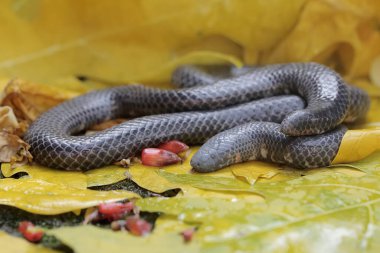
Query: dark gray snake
[195, 114]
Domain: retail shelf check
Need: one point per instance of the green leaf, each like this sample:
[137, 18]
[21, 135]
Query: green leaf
[208, 182]
[327, 211]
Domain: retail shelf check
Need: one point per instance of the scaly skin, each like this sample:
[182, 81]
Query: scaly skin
[53, 145]
[264, 141]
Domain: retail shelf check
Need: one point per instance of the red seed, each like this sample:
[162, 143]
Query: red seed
[23, 225]
[114, 211]
[111, 208]
[188, 234]
[129, 206]
[138, 226]
[158, 157]
[174, 146]
[33, 234]
[30, 232]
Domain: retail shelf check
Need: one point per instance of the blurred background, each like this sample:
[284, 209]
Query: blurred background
[121, 41]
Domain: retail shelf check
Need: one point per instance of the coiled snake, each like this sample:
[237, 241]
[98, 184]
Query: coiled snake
[250, 105]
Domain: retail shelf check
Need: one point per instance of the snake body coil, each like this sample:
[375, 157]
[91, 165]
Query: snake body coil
[194, 115]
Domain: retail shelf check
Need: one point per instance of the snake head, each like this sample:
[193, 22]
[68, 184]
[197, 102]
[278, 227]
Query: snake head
[206, 161]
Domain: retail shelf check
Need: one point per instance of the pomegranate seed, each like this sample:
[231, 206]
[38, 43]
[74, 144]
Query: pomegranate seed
[129, 206]
[188, 234]
[158, 157]
[30, 232]
[23, 225]
[138, 226]
[111, 208]
[33, 234]
[174, 146]
[114, 211]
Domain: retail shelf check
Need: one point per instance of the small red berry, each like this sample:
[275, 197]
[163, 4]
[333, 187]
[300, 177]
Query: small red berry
[34, 234]
[188, 234]
[23, 225]
[129, 206]
[30, 232]
[174, 146]
[114, 211]
[138, 226]
[158, 157]
[111, 208]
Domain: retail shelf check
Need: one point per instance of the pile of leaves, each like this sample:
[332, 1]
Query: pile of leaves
[52, 51]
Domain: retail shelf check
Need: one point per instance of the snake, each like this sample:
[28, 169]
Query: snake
[285, 113]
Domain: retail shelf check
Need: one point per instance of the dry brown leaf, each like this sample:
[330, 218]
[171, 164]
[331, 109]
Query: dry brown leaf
[13, 149]
[28, 100]
[8, 120]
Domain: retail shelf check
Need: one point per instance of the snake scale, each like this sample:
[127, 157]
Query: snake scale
[248, 114]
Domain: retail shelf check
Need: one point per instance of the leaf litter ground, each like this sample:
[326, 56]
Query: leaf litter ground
[249, 207]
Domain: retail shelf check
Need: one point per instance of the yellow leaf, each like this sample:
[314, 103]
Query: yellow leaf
[74, 179]
[41, 197]
[251, 172]
[134, 40]
[296, 211]
[342, 34]
[375, 71]
[372, 90]
[209, 182]
[12, 244]
[106, 175]
[149, 177]
[84, 239]
[370, 164]
[326, 210]
[82, 180]
[357, 144]
[200, 209]
[200, 57]
[372, 119]
[169, 224]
